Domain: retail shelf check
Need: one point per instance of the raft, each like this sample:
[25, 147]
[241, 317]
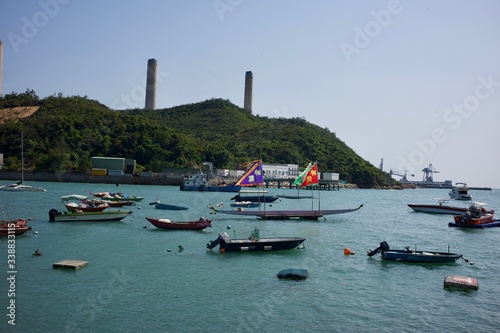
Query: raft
[461, 282]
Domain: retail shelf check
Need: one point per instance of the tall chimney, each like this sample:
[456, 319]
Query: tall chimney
[151, 85]
[1, 60]
[248, 91]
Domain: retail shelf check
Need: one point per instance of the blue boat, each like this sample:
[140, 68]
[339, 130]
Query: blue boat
[170, 207]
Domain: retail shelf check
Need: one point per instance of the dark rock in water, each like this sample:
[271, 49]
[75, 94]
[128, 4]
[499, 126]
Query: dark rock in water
[293, 274]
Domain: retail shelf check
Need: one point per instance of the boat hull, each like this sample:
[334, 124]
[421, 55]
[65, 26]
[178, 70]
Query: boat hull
[201, 224]
[437, 209]
[263, 244]
[14, 227]
[170, 207]
[117, 215]
[420, 256]
[492, 224]
[288, 214]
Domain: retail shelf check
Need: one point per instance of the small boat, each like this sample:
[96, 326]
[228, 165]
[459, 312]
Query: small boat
[20, 186]
[460, 192]
[286, 196]
[443, 207]
[413, 255]
[170, 207]
[492, 224]
[83, 205]
[117, 196]
[14, 227]
[245, 204]
[259, 196]
[107, 215]
[159, 205]
[254, 243]
[201, 224]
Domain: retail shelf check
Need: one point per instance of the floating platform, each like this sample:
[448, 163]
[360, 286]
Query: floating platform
[70, 264]
[461, 282]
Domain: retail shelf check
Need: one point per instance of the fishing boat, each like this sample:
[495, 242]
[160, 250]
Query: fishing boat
[20, 186]
[254, 243]
[82, 204]
[14, 227]
[460, 192]
[472, 217]
[200, 224]
[309, 177]
[107, 215]
[443, 207]
[200, 182]
[298, 196]
[409, 255]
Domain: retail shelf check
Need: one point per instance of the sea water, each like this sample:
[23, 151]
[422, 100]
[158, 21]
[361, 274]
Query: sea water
[138, 280]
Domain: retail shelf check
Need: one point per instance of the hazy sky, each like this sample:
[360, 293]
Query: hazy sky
[412, 82]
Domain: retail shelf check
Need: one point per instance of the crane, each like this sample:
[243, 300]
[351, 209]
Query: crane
[402, 174]
[428, 172]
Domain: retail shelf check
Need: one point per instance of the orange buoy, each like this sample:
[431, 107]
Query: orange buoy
[347, 251]
[222, 250]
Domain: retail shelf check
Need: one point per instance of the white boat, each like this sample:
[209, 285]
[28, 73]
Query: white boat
[19, 186]
[460, 192]
[443, 207]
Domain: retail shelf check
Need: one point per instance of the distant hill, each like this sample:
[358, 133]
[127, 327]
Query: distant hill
[65, 132]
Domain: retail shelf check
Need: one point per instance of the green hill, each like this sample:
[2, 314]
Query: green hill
[66, 132]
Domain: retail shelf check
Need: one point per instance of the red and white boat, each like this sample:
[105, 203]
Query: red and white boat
[14, 227]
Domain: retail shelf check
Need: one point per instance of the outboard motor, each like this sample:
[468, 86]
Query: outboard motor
[223, 238]
[382, 248]
[466, 217]
[53, 212]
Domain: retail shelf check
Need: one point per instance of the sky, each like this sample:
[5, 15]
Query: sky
[411, 82]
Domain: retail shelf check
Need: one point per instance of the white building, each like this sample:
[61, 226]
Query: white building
[284, 171]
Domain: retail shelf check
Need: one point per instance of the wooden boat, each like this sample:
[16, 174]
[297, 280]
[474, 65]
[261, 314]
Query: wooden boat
[201, 224]
[443, 207]
[107, 215]
[14, 227]
[286, 214]
[460, 192]
[413, 255]
[254, 243]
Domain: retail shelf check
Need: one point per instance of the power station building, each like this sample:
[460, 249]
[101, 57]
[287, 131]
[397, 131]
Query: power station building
[247, 105]
[151, 84]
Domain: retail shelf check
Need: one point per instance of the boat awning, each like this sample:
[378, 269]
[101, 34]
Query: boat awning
[73, 197]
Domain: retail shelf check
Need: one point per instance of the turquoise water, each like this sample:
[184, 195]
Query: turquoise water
[138, 281]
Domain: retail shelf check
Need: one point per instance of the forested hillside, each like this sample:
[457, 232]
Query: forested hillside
[66, 132]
